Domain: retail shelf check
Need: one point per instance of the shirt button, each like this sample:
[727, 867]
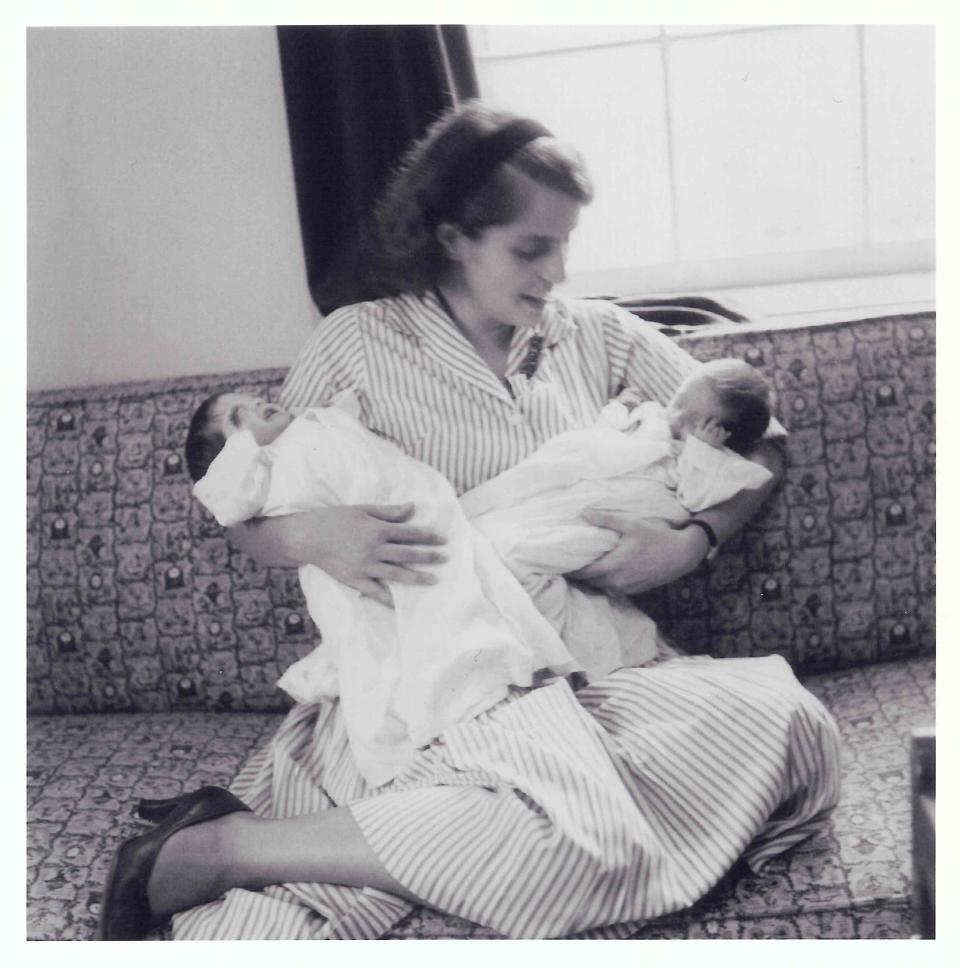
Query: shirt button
[516, 418]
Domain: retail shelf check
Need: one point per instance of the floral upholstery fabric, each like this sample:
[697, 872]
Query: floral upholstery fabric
[135, 602]
[85, 773]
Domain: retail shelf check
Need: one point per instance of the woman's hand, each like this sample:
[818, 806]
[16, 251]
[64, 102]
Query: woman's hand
[363, 545]
[650, 553]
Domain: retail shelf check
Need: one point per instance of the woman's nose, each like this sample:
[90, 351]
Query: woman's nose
[554, 268]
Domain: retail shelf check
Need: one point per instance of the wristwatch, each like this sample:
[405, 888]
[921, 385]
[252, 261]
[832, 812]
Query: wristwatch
[708, 531]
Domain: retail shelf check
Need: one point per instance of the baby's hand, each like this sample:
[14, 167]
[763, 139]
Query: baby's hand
[710, 431]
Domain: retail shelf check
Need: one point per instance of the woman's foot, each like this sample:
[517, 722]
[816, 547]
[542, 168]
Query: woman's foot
[196, 864]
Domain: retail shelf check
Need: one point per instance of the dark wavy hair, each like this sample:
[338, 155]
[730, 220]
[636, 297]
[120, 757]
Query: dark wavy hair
[406, 255]
[746, 399]
[205, 439]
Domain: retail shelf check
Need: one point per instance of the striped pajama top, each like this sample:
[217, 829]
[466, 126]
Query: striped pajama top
[555, 813]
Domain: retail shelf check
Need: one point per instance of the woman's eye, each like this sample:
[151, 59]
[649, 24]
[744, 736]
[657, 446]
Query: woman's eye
[527, 255]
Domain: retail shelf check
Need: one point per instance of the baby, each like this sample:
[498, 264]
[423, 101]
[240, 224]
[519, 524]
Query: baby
[639, 457]
[445, 652]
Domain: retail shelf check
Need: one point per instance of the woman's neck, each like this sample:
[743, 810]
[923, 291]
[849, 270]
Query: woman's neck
[488, 337]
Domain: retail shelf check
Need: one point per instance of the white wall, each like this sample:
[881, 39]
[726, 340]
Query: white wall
[731, 155]
[162, 228]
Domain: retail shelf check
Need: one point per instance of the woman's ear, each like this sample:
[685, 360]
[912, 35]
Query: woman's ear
[451, 240]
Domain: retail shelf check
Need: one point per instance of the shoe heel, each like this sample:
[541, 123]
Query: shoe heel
[157, 810]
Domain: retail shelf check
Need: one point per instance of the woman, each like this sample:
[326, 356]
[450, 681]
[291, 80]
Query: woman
[555, 811]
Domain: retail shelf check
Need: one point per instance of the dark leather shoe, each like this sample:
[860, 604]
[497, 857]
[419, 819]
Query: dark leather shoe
[125, 911]
[156, 810]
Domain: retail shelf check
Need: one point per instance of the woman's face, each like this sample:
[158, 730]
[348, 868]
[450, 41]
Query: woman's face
[505, 276]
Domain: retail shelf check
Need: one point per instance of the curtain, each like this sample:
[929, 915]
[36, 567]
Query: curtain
[356, 96]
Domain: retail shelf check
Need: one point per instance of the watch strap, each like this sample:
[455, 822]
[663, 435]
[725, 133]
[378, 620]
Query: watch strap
[709, 532]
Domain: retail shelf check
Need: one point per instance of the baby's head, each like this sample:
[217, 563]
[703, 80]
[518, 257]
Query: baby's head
[224, 414]
[729, 390]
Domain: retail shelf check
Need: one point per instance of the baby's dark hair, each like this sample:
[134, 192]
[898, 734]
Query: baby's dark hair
[205, 439]
[745, 396]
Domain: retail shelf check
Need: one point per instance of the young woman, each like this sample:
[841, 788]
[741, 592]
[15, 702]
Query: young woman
[555, 811]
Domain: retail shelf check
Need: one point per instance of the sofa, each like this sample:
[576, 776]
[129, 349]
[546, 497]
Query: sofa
[153, 647]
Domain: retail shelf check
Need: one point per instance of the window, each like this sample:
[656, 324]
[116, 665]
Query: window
[731, 156]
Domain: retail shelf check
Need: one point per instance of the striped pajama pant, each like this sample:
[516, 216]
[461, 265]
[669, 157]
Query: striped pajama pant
[554, 812]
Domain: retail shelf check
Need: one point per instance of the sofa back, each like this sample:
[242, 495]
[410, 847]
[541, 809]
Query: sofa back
[136, 602]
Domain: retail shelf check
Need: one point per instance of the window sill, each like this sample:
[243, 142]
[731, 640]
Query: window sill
[822, 301]
[833, 300]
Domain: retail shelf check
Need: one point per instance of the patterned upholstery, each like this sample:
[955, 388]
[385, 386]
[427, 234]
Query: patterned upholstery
[840, 568]
[853, 881]
[136, 603]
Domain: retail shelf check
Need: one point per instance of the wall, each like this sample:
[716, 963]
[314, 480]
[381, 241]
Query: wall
[163, 235]
[729, 155]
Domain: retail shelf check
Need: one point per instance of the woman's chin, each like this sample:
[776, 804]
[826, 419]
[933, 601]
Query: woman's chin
[533, 310]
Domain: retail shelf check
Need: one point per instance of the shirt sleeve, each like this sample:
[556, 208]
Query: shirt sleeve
[640, 356]
[330, 362]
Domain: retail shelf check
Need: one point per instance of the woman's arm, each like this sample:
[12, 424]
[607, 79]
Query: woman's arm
[363, 546]
[653, 552]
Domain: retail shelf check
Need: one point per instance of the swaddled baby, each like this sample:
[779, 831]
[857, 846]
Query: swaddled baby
[444, 652]
[638, 458]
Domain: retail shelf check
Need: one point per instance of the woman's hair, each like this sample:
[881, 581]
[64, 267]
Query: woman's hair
[205, 439]
[745, 396]
[407, 254]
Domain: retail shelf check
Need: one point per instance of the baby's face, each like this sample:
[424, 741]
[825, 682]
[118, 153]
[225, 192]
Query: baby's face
[243, 411]
[691, 404]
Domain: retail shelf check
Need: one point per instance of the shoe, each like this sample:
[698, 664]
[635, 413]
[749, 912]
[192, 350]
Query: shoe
[156, 810]
[125, 910]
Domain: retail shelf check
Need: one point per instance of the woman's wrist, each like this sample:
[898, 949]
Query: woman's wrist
[697, 542]
[706, 529]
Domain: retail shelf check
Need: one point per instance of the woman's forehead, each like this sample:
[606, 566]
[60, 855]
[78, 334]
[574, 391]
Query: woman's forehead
[546, 214]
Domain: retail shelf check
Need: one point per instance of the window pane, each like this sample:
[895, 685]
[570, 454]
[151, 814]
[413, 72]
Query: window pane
[900, 100]
[733, 153]
[767, 141]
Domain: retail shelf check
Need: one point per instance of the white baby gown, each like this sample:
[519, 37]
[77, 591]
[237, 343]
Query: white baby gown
[628, 461]
[445, 652]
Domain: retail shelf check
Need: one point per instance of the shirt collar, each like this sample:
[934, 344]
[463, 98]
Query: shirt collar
[558, 322]
[417, 314]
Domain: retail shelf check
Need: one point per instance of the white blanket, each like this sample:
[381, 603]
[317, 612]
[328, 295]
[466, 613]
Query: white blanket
[445, 652]
[628, 461]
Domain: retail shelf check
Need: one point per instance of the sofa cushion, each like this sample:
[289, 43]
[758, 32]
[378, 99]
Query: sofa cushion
[85, 773]
[135, 602]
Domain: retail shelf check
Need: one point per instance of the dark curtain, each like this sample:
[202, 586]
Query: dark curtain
[356, 97]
